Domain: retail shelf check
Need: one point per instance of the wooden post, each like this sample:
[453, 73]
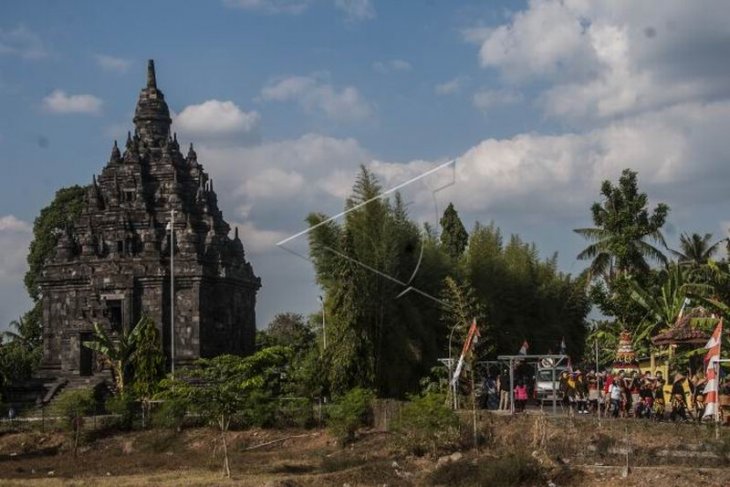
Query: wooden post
[474, 405]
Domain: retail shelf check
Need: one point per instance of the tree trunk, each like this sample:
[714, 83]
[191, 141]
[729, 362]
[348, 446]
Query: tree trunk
[223, 423]
[77, 433]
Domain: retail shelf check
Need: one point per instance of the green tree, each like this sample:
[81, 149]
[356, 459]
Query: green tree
[696, 250]
[290, 330]
[453, 234]
[524, 297]
[379, 335]
[461, 306]
[54, 219]
[21, 356]
[623, 229]
[222, 387]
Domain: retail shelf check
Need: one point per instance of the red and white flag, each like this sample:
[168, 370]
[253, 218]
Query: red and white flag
[712, 369]
[523, 348]
[471, 338]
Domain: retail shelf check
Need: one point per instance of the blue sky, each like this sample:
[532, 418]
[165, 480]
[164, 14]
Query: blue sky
[539, 100]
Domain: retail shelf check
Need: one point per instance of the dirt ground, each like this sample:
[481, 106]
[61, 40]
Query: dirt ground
[566, 451]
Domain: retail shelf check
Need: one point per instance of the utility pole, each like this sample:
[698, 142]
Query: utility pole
[172, 292]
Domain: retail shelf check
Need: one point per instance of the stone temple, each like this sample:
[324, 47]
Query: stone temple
[113, 264]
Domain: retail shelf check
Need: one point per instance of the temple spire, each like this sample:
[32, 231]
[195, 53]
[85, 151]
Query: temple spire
[152, 116]
[151, 78]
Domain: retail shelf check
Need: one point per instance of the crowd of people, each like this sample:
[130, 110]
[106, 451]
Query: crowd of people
[618, 394]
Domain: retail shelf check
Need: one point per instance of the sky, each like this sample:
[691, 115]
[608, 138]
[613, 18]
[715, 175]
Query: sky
[537, 101]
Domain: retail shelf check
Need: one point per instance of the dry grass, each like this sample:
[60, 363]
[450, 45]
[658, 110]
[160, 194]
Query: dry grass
[569, 451]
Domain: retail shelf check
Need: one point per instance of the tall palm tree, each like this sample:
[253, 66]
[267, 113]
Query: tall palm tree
[623, 230]
[695, 250]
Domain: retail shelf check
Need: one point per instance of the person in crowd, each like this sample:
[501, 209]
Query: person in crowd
[646, 394]
[679, 404]
[594, 394]
[615, 393]
[642, 410]
[504, 391]
[659, 405]
[623, 383]
[491, 393]
[520, 396]
[568, 391]
[634, 386]
[581, 393]
[698, 393]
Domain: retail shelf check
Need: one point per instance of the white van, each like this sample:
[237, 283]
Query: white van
[544, 390]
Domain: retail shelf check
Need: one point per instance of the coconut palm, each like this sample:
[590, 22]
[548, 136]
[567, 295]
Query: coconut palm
[623, 230]
[696, 250]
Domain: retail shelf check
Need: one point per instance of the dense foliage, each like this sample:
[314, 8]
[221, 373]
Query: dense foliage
[383, 338]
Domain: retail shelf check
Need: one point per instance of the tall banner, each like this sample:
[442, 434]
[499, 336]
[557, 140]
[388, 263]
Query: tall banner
[471, 338]
[712, 370]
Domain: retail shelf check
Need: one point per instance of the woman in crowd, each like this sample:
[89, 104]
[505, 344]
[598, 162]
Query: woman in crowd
[520, 396]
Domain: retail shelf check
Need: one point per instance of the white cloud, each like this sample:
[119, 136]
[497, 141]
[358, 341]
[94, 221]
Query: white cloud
[677, 151]
[59, 102]
[271, 6]
[600, 61]
[257, 240]
[22, 42]
[15, 237]
[216, 118]
[385, 67]
[111, 63]
[487, 99]
[271, 183]
[356, 10]
[314, 94]
[450, 87]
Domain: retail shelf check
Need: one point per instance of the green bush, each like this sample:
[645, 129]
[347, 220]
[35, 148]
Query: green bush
[74, 404]
[427, 425]
[170, 414]
[124, 407]
[350, 412]
[258, 409]
[295, 412]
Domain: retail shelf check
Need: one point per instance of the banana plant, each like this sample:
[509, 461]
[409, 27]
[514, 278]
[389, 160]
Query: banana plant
[118, 351]
[663, 306]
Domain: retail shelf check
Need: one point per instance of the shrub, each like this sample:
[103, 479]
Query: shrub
[514, 469]
[427, 425]
[295, 412]
[124, 407]
[350, 412]
[258, 409]
[74, 404]
[170, 414]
